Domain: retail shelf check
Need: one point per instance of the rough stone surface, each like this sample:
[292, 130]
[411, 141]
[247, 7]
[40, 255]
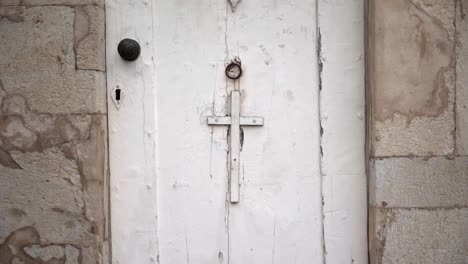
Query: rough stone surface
[413, 77]
[57, 193]
[45, 253]
[37, 61]
[10, 2]
[89, 38]
[54, 185]
[418, 60]
[420, 182]
[72, 255]
[17, 261]
[26, 130]
[462, 80]
[419, 236]
[47, 187]
[53, 129]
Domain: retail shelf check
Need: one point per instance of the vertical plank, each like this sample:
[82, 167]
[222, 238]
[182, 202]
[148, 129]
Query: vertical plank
[279, 216]
[342, 107]
[234, 148]
[131, 135]
[191, 155]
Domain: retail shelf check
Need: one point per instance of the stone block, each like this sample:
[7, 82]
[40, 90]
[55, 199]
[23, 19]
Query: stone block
[412, 77]
[89, 38]
[10, 2]
[45, 193]
[37, 61]
[53, 169]
[419, 182]
[419, 236]
[92, 156]
[53, 172]
[462, 80]
[45, 201]
[25, 130]
[45, 253]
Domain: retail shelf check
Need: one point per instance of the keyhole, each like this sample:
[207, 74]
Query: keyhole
[117, 94]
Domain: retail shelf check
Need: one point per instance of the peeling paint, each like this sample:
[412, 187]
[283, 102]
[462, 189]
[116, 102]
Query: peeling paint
[418, 178]
[53, 133]
[26, 130]
[418, 86]
[412, 77]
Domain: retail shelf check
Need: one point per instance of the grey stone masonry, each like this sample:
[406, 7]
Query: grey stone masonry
[462, 80]
[420, 182]
[418, 171]
[53, 132]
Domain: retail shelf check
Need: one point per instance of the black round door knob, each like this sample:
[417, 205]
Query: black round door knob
[129, 49]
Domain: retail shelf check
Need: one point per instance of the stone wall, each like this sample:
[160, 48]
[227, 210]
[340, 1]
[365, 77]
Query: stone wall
[418, 79]
[53, 158]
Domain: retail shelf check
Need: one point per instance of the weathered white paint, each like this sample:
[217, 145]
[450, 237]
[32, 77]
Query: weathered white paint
[132, 135]
[342, 107]
[279, 217]
[179, 81]
[191, 155]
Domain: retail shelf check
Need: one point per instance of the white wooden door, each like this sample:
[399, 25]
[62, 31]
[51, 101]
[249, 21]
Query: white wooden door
[278, 217]
[176, 194]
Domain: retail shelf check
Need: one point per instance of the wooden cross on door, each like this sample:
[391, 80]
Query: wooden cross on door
[234, 121]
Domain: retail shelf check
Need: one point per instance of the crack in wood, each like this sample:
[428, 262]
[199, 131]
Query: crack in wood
[233, 4]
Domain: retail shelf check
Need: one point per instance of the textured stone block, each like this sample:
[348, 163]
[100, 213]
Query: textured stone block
[419, 236]
[37, 60]
[92, 156]
[25, 130]
[53, 172]
[47, 253]
[412, 77]
[418, 182]
[53, 169]
[462, 80]
[55, 196]
[10, 2]
[89, 38]
[45, 193]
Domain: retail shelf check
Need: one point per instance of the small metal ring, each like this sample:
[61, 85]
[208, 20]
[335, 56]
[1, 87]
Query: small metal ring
[229, 67]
